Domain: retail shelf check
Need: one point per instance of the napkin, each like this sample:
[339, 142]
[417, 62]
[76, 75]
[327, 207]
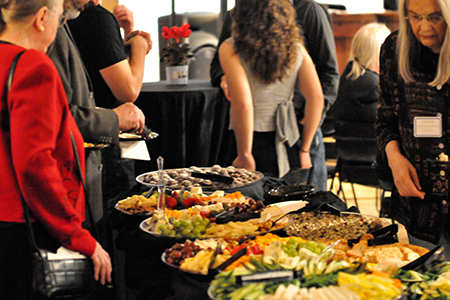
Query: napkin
[282, 208]
[64, 253]
[134, 150]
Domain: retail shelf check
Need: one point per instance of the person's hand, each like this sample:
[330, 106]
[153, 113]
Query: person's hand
[131, 118]
[102, 264]
[305, 160]
[405, 177]
[145, 35]
[224, 86]
[246, 162]
[125, 18]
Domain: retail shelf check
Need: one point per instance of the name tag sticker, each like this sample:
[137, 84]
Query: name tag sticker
[427, 127]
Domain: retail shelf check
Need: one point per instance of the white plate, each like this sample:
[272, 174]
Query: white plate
[210, 293]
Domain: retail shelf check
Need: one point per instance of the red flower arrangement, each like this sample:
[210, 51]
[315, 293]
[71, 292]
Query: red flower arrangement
[176, 53]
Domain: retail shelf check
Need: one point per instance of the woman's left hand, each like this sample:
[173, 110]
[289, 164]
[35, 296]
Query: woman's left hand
[245, 162]
[305, 160]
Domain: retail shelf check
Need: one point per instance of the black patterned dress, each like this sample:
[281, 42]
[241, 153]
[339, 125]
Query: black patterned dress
[400, 103]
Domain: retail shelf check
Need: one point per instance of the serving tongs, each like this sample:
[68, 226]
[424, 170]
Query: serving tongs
[211, 270]
[273, 276]
[213, 177]
[233, 215]
[161, 208]
[426, 260]
[229, 261]
[383, 236]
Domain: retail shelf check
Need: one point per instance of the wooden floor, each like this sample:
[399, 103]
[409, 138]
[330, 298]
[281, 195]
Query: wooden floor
[368, 198]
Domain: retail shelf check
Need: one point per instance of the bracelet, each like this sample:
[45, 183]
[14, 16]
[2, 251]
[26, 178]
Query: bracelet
[301, 150]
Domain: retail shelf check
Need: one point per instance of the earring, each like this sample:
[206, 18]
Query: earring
[41, 29]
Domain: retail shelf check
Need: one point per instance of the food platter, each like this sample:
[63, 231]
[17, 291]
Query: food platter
[145, 204]
[182, 178]
[146, 134]
[329, 226]
[148, 226]
[164, 260]
[133, 213]
[95, 146]
[126, 137]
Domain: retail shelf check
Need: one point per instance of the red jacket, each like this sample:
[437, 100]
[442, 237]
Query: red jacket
[36, 152]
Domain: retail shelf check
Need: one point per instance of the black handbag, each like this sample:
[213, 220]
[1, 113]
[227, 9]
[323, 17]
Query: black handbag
[57, 278]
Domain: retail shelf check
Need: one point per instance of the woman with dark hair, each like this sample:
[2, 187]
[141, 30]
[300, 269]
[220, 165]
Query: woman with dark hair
[263, 60]
[413, 119]
[37, 157]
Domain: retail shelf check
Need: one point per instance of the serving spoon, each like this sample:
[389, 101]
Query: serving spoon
[161, 189]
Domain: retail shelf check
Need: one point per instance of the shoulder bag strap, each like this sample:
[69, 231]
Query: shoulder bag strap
[8, 84]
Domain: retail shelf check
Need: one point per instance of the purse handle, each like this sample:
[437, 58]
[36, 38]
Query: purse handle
[26, 210]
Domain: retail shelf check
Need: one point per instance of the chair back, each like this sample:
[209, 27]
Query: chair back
[355, 141]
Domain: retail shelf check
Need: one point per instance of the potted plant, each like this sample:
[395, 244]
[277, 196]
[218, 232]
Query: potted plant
[176, 54]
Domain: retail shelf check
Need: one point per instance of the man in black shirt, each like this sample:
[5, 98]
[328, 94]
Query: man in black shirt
[317, 31]
[115, 79]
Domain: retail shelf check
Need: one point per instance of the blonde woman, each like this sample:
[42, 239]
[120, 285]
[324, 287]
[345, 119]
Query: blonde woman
[263, 60]
[413, 118]
[358, 87]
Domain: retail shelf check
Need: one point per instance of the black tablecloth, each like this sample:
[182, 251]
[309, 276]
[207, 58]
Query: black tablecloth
[192, 123]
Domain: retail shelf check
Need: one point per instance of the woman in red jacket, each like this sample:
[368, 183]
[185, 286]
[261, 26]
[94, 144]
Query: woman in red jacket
[37, 158]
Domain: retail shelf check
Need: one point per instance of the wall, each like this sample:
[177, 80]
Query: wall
[109, 4]
[346, 25]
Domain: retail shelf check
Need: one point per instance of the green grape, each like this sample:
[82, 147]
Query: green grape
[201, 228]
[310, 245]
[177, 224]
[184, 223]
[291, 247]
[197, 231]
[189, 226]
[321, 247]
[205, 222]
[172, 233]
[292, 252]
[185, 232]
[293, 241]
[198, 219]
[195, 223]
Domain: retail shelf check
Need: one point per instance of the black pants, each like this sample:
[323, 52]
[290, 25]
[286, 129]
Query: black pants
[265, 154]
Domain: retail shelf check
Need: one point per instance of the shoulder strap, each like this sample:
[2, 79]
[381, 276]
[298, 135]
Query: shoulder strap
[8, 84]
[11, 74]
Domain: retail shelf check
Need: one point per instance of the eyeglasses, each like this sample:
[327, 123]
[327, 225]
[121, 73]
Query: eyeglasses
[435, 18]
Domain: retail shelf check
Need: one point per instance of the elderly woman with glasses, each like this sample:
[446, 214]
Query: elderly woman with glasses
[38, 139]
[413, 119]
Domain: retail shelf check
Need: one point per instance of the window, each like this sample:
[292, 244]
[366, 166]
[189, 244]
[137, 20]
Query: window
[146, 14]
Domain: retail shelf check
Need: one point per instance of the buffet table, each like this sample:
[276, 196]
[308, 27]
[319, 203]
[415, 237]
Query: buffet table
[192, 123]
[151, 278]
